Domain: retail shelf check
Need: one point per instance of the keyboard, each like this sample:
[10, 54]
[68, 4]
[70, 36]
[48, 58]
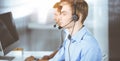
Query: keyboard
[6, 58]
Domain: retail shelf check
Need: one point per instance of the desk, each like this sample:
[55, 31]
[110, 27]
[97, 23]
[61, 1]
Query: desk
[20, 56]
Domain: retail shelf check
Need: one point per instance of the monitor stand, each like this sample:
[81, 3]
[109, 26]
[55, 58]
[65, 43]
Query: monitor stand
[6, 58]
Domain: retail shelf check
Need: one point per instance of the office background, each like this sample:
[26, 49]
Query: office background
[33, 19]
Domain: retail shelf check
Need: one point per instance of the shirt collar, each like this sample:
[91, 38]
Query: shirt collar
[78, 36]
[66, 33]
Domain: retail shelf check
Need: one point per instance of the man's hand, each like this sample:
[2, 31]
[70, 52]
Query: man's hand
[42, 60]
[31, 58]
[46, 57]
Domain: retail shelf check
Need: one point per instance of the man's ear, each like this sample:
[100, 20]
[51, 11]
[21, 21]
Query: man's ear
[80, 16]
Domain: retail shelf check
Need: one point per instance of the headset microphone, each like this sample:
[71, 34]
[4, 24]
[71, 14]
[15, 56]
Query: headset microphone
[59, 27]
[56, 26]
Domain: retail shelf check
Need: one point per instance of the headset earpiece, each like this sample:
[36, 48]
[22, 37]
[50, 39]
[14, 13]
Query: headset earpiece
[75, 17]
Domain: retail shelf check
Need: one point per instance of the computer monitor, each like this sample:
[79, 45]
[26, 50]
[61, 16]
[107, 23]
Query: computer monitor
[8, 34]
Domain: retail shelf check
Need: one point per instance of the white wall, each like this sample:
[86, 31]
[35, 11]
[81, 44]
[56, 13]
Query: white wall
[19, 8]
[97, 23]
[101, 25]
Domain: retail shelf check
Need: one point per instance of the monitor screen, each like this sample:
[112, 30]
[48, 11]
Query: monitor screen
[8, 33]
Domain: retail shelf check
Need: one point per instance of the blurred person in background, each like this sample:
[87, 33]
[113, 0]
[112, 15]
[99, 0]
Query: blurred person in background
[56, 16]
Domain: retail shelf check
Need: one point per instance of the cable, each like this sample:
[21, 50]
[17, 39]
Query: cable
[59, 27]
[69, 37]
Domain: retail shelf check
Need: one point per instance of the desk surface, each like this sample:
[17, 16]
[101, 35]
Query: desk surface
[20, 56]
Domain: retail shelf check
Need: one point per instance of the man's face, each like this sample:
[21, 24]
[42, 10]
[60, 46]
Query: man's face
[56, 15]
[66, 16]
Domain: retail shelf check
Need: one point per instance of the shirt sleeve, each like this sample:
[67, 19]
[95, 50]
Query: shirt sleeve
[91, 55]
[59, 55]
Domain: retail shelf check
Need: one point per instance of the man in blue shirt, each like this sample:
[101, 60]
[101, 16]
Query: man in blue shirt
[81, 47]
[79, 44]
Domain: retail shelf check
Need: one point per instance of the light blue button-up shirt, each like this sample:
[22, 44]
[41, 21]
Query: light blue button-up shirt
[82, 47]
